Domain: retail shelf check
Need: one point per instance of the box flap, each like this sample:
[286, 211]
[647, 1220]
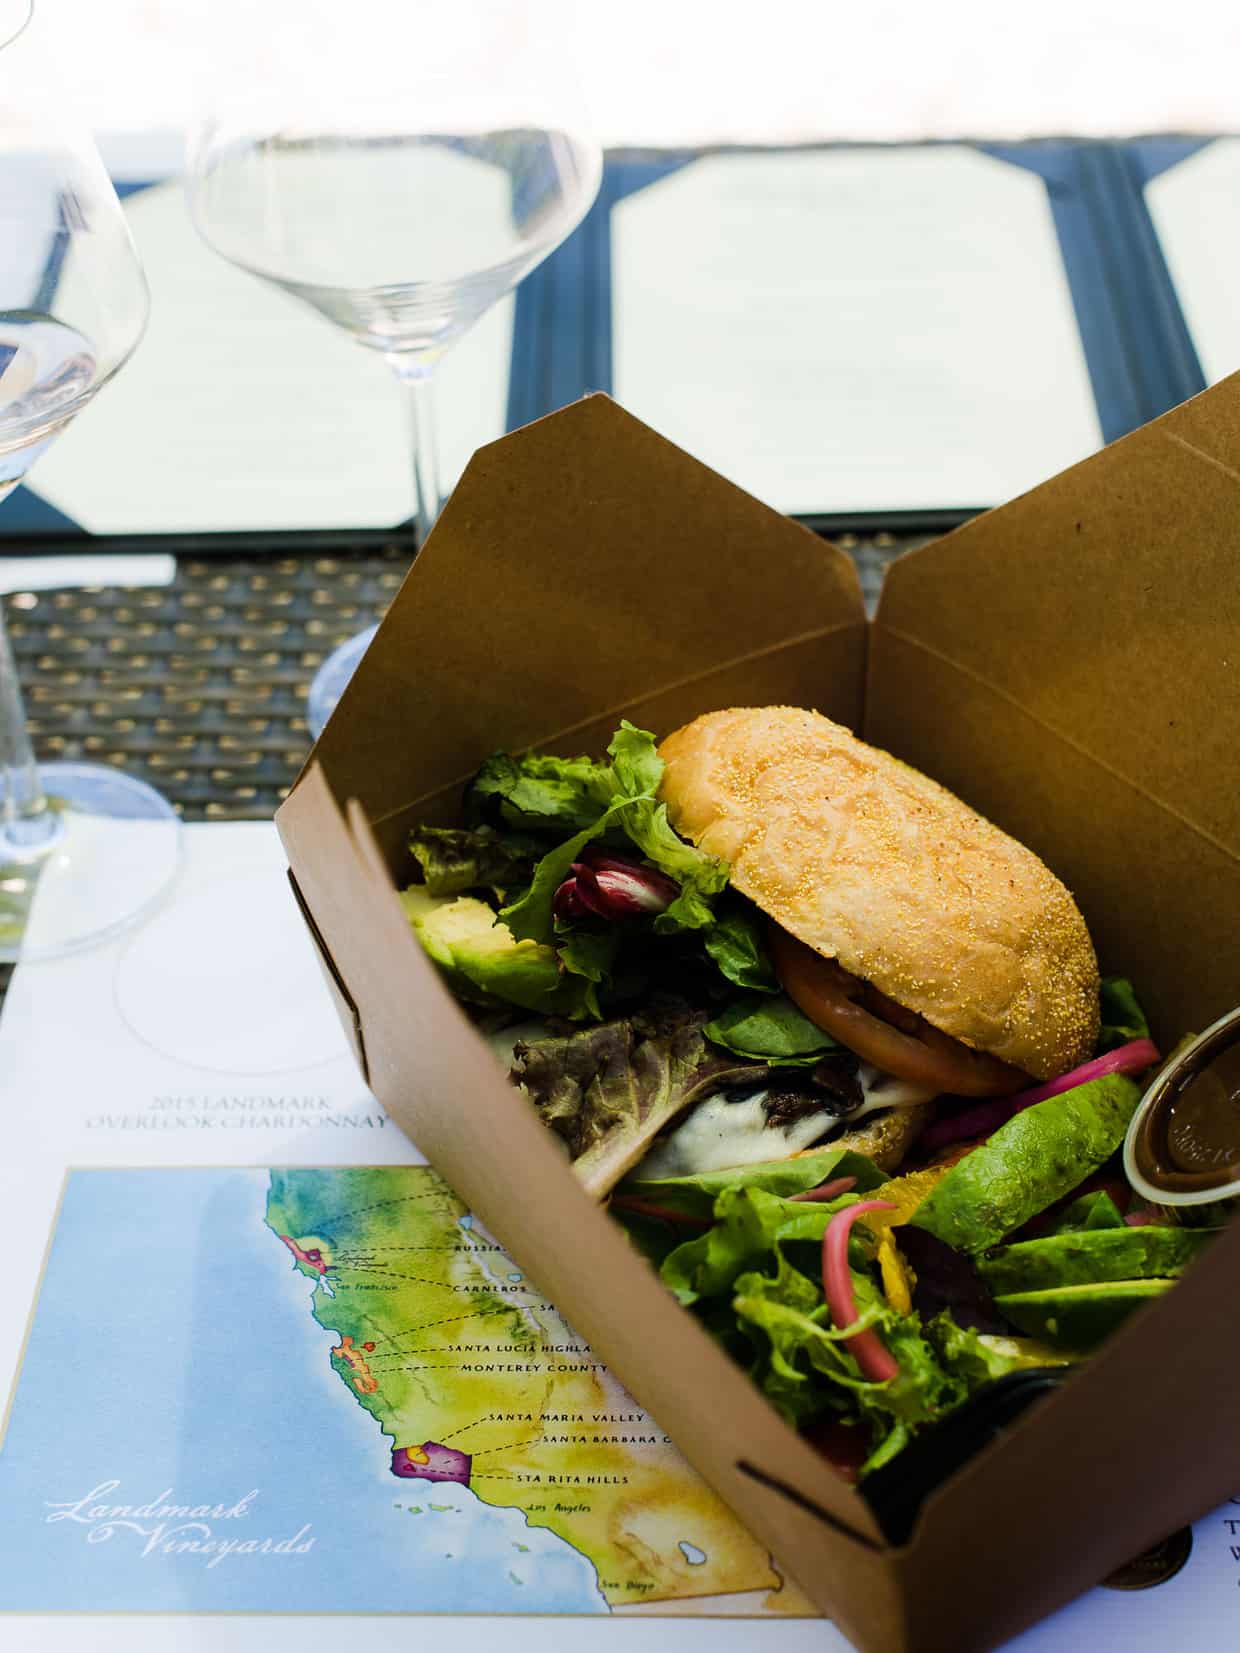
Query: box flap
[1036, 661]
[1139, 1438]
[586, 568]
[1070, 663]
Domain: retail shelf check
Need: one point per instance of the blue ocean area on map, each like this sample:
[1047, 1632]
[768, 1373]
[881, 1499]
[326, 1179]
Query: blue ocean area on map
[174, 1374]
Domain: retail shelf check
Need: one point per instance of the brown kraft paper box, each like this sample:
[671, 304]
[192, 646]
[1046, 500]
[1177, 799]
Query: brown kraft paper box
[1070, 664]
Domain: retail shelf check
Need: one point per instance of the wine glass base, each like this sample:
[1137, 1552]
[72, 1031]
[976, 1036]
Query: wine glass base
[111, 857]
[332, 679]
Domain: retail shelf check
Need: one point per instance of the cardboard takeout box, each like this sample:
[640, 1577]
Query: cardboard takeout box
[1069, 664]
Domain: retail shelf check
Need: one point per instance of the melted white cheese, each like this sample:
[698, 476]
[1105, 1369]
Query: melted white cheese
[720, 1133]
[884, 1090]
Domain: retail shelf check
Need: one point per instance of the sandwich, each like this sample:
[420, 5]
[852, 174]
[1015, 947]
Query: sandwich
[836, 939]
[834, 1048]
[917, 934]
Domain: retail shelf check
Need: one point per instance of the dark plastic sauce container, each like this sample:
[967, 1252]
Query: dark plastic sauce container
[1183, 1145]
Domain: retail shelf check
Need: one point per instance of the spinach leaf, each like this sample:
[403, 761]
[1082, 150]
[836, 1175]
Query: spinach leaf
[770, 1030]
[1122, 1017]
[735, 944]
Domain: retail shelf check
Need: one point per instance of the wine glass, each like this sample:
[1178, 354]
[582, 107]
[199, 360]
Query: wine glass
[84, 850]
[399, 169]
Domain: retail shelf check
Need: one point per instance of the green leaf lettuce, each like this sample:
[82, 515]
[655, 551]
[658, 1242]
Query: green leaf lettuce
[803, 1364]
[609, 1090]
[627, 789]
[750, 1225]
[696, 1196]
[540, 792]
[456, 859]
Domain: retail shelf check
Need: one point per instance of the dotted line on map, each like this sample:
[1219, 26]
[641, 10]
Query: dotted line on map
[463, 1245]
[538, 1440]
[399, 1361]
[462, 1429]
[472, 1354]
[451, 1366]
[494, 1475]
[390, 1274]
[401, 1199]
[421, 1366]
[466, 1351]
[452, 1320]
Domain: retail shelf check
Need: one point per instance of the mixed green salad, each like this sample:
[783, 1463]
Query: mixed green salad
[871, 1255]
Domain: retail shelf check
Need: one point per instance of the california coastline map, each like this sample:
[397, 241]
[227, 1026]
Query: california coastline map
[330, 1390]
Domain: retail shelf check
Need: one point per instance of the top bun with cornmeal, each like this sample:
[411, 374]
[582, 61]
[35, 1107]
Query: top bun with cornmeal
[903, 922]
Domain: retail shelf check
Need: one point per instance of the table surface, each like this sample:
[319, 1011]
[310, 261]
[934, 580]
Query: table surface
[199, 687]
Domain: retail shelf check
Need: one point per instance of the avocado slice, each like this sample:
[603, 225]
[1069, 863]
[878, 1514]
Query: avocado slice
[1041, 1154]
[1078, 1317]
[1091, 1256]
[481, 957]
[1096, 1210]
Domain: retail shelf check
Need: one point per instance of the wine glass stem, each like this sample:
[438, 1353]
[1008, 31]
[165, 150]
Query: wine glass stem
[419, 385]
[26, 822]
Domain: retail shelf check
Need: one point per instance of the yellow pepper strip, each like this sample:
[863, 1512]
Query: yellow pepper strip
[896, 1275]
[905, 1194]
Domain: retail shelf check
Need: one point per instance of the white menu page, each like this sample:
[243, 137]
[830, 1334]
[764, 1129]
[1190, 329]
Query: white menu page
[851, 329]
[243, 409]
[1195, 206]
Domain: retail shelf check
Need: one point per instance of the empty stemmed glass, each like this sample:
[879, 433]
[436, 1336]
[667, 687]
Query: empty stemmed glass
[398, 169]
[84, 850]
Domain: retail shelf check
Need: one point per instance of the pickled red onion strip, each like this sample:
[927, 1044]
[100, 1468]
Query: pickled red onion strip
[1134, 1057]
[648, 1208]
[828, 1190]
[875, 1360]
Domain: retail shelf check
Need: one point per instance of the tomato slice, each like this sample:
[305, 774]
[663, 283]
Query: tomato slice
[882, 1032]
